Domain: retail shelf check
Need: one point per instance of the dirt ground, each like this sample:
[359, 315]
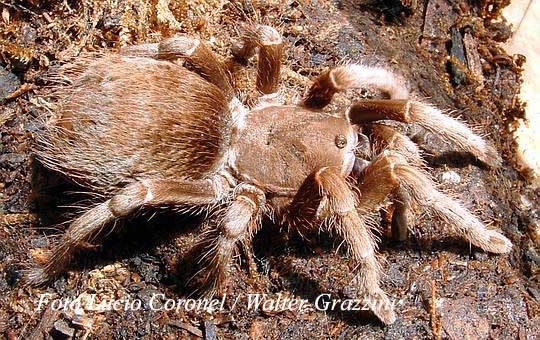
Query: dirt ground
[448, 50]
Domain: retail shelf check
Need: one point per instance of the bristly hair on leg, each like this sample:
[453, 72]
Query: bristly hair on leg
[453, 130]
[423, 192]
[236, 223]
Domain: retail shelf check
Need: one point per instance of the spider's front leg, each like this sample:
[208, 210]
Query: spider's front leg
[238, 224]
[269, 44]
[146, 193]
[423, 193]
[336, 205]
[393, 167]
[199, 55]
[342, 78]
[400, 107]
[430, 118]
[386, 138]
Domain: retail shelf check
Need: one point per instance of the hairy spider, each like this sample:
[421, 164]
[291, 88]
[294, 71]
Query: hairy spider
[144, 131]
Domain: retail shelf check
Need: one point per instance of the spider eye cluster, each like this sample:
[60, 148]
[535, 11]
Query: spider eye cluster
[341, 141]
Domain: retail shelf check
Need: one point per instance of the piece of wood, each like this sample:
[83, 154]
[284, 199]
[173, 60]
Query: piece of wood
[457, 61]
[438, 19]
[473, 58]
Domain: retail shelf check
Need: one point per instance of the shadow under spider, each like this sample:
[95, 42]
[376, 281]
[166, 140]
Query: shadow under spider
[310, 287]
[455, 159]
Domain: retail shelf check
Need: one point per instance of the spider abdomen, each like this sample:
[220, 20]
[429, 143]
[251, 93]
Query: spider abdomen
[124, 118]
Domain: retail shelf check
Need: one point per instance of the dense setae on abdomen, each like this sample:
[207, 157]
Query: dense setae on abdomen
[122, 118]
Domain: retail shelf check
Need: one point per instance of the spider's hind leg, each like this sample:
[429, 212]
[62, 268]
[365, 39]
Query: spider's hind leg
[200, 56]
[269, 44]
[84, 229]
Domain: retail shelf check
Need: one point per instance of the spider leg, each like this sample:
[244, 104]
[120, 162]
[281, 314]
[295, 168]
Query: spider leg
[85, 228]
[149, 50]
[401, 215]
[430, 118]
[268, 42]
[200, 56]
[422, 191]
[238, 224]
[353, 76]
[327, 196]
[385, 137]
[399, 107]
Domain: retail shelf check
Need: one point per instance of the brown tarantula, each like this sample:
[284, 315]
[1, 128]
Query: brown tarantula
[143, 131]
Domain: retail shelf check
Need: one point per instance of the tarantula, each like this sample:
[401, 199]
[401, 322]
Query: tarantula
[144, 131]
